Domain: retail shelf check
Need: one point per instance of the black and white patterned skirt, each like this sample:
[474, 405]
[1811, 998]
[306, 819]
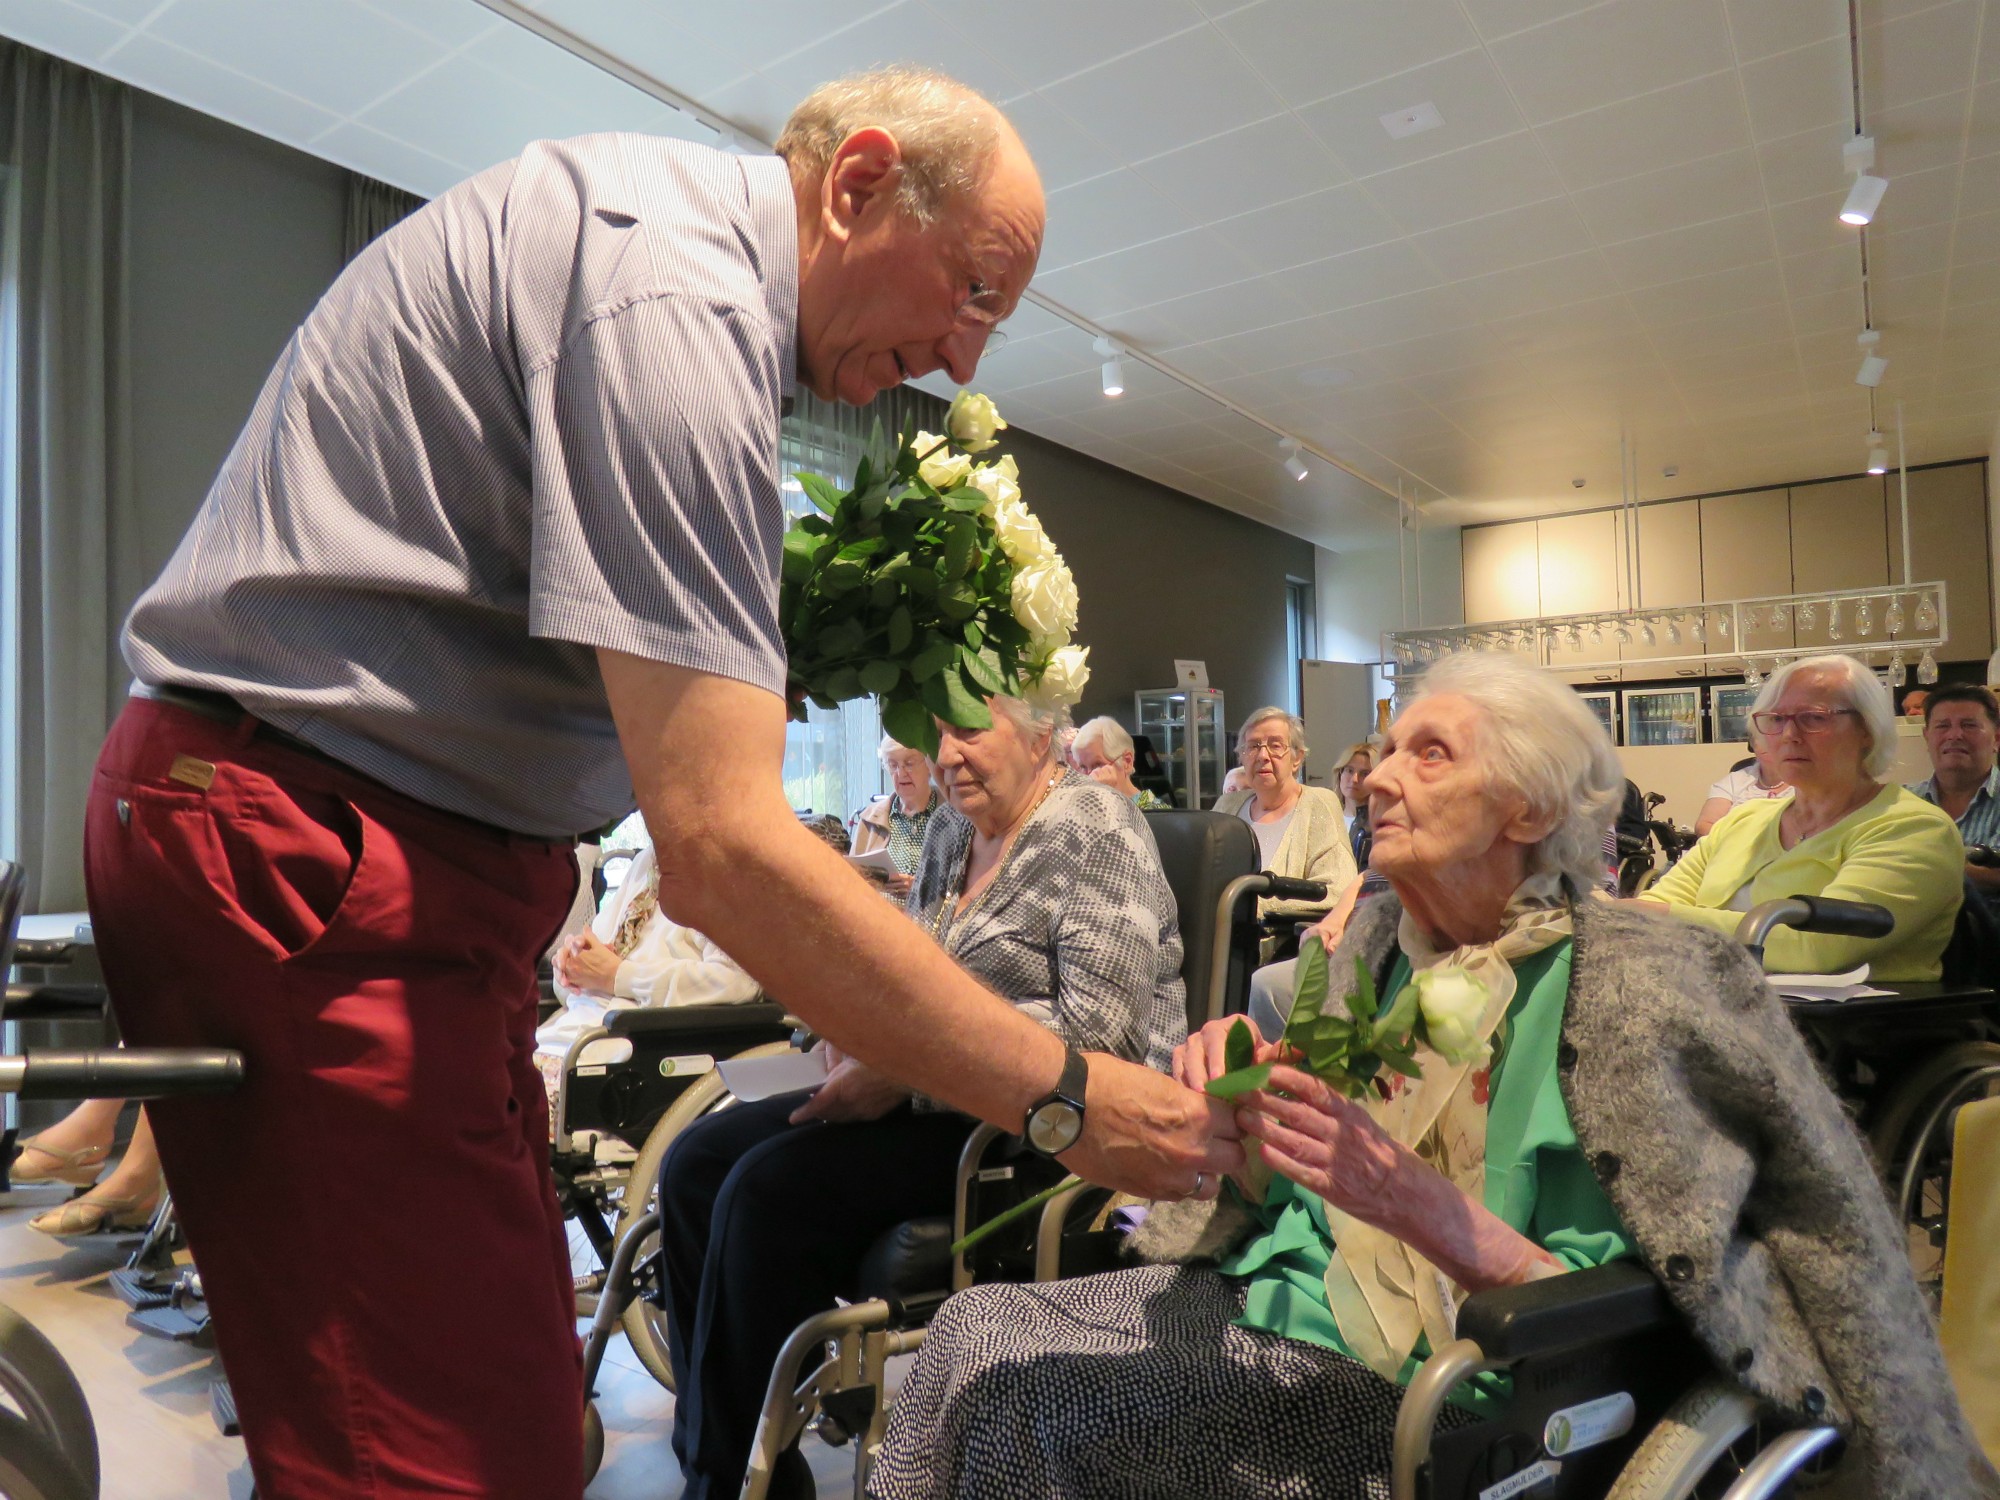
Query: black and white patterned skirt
[1134, 1385]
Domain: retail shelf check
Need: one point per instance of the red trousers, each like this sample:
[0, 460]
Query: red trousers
[372, 1213]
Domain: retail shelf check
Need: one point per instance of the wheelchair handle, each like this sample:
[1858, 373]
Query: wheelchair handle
[1285, 888]
[1813, 914]
[1984, 855]
[121, 1073]
[1263, 884]
[44, 952]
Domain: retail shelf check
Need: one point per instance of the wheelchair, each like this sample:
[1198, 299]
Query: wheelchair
[48, 1441]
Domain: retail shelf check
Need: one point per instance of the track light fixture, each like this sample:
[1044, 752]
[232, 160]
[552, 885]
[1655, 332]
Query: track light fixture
[1878, 455]
[1858, 155]
[1113, 368]
[1294, 465]
[1873, 362]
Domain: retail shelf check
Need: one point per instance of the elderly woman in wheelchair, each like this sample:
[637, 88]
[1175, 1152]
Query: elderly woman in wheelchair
[1043, 883]
[1639, 1093]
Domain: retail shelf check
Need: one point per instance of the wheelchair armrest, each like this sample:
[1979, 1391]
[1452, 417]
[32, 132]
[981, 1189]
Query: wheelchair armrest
[53, 1002]
[682, 1020]
[44, 952]
[1560, 1312]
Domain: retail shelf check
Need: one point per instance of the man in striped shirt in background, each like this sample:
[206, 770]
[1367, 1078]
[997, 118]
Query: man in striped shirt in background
[496, 551]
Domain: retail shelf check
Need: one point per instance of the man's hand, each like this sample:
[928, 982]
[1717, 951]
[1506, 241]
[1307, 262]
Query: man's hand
[587, 965]
[852, 1091]
[1144, 1133]
[1203, 1056]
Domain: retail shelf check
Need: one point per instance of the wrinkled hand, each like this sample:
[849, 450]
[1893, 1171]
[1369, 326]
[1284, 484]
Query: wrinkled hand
[586, 964]
[852, 1091]
[899, 885]
[1144, 1133]
[1202, 1056]
[1325, 1143]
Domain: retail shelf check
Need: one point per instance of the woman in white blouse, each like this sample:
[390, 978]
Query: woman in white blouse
[1300, 830]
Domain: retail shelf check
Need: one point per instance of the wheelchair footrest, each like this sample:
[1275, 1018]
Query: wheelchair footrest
[145, 1288]
[222, 1406]
[181, 1325]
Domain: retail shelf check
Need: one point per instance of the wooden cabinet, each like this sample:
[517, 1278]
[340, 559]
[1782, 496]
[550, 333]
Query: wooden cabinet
[1948, 540]
[1580, 558]
[1840, 540]
[1746, 553]
[1669, 575]
[1502, 572]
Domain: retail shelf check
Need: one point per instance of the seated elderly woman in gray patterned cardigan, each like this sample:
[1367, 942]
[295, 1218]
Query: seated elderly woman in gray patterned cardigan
[1631, 1088]
[1043, 883]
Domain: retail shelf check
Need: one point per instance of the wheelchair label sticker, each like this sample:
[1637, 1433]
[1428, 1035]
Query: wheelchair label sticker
[686, 1067]
[1521, 1483]
[1578, 1427]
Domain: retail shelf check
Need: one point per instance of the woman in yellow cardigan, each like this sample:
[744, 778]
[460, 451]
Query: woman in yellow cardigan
[1844, 832]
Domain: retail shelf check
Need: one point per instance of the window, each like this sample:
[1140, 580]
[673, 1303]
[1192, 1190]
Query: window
[1301, 633]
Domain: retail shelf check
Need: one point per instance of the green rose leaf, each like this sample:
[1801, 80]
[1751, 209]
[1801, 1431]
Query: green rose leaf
[820, 492]
[947, 696]
[838, 578]
[958, 548]
[1397, 1020]
[843, 684]
[799, 549]
[900, 630]
[965, 500]
[1239, 1049]
[882, 592]
[859, 551]
[881, 677]
[1240, 1081]
[957, 601]
[932, 660]
[974, 636]
[1362, 1001]
[981, 671]
[841, 639]
[920, 583]
[1311, 982]
[870, 501]
[908, 722]
[1401, 1062]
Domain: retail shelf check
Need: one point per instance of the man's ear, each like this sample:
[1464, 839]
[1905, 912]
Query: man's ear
[860, 181]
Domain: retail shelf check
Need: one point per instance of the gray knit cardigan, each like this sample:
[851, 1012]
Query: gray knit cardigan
[1740, 1181]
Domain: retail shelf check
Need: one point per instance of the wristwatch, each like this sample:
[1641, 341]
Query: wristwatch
[1055, 1121]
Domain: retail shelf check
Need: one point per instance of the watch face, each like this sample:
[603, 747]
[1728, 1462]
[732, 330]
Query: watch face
[1054, 1127]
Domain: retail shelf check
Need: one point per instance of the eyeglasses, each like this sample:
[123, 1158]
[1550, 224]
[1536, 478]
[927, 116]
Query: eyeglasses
[1808, 720]
[1278, 748]
[983, 305]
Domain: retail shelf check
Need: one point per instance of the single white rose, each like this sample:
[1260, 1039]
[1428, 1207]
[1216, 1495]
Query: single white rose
[1453, 1003]
[942, 469]
[1044, 601]
[997, 487]
[972, 421]
[1021, 535]
[1064, 675]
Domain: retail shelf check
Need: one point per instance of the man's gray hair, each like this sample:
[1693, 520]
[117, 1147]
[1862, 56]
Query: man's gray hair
[1294, 726]
[1541, 741]
[1864, 693]
[946, 132]
[1108, 735]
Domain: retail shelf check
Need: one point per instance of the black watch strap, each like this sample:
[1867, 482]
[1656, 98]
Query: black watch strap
[1055, 1121]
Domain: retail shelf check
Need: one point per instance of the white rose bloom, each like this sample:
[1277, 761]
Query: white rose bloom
[1453, 1003]
[1063, 678]
[943, 469]
[1021, 535]
[997, 486]
[972, 421]
[1044, 600]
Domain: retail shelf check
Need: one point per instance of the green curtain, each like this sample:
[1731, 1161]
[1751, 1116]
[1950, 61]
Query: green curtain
[371, 208]
[65, 147]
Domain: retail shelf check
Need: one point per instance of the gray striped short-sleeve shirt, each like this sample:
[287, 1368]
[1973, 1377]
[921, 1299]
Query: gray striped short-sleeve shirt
[537, 417]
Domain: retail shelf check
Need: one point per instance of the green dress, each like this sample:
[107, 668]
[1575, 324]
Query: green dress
[1537, 1182]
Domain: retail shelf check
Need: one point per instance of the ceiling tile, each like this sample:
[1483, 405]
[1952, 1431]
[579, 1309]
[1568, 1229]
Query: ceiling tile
[1718, 331]
[1216, 312]
[1022, 362]
[334, 55]
[1064, 152]
[1806, 165]
[395, 162]
[1983, 132]
[1836, 310]
[1167, 95]
[1166, 268]
[1030, 322]
[1357, 277]
[1470, 98]
[1245, 169]
[907, 32]
[1916, 137]
[1498, 18]
[61, 29]
[1989, 50]
[1912, 252]
[1714, 187]
[452, 22]
[1718, 292]
[583, 97]
[1537, 288]
[644, 37]
[1678, 124]
[1613, 52]
[1764, 27]
[1932, 197]
[1395, 320]
[1720, 245]
[1500, 242]
[127, 12]
[1041, 41]
[1309, 228]
[1311, 48]
[1799, 90]
[1467, 184]
[1105, 214]
[172, 73]
[770, 29]
[1821, 271]
[1917, 56]
[468, 114]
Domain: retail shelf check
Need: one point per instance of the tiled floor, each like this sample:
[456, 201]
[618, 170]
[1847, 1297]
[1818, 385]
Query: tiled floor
[150, 1396]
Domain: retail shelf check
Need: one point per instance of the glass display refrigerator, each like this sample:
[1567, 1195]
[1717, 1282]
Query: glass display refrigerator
[1729, 713]
[1190, 734]
[1605, 706]
[1662, 716]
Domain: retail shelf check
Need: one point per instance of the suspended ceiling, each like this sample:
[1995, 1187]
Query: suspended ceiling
[1625, 221]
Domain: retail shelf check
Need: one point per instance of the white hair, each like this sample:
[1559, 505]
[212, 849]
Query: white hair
[1540, 741]
[1294, 727]
[1864, 693]
[946, 133]
[1107, 733]
[890, 743]
[1032, 716]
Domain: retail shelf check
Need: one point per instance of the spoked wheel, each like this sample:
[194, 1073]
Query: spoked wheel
[1912, 1139]
[52, 1412]
[1706, 1442]
[644, 1321]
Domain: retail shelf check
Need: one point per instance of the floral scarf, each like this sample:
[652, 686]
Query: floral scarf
[1382, 1293]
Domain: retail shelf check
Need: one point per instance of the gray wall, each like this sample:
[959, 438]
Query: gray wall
[1163, 575]
[233, 238]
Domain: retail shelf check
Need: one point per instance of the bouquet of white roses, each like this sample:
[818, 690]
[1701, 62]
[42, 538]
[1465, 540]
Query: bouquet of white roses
[930, 584]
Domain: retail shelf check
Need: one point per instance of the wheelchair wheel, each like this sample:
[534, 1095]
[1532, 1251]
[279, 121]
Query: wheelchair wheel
[1701, 1447]
[39, 1381]
[646, 1324]
[1913, 1142]
[32, 1467]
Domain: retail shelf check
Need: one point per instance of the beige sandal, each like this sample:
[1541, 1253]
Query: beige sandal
[81, 1167]
[87, 1215]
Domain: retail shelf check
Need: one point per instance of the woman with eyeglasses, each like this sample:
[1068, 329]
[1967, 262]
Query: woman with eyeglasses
[1829, 729]
[1300, 830]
